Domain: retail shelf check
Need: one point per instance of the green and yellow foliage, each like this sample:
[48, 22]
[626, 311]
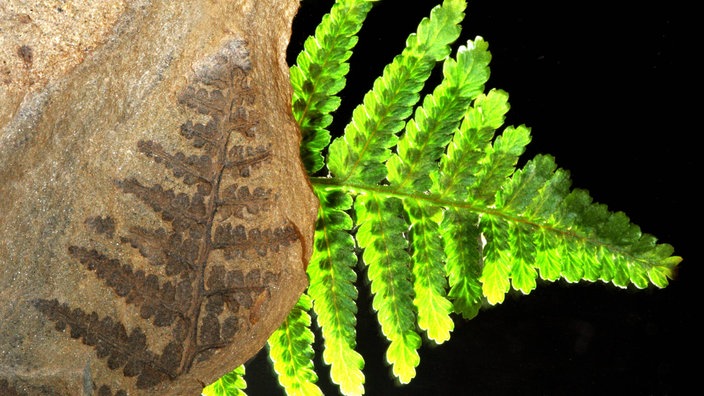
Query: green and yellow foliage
[421, 194]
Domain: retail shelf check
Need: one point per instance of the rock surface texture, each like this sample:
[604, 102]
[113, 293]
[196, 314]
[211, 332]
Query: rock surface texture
[155, 219]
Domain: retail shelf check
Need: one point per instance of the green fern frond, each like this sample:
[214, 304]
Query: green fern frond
[230, 384]
[319, 75]
[361, 153]
[442, 219]
[291, 352]
[332, 277]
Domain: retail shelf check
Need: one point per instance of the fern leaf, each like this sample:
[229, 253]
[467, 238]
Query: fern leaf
[230, 384]
[538, 224]
[331, 273]
[429, 282]
[319, 75]
[381, 235]
[548, 259]
[497, 259]
[291, 352]
[523, 273]
[608, 240]
[499, 162]
[427, 135]
[461, 162]
[463, 266]
[360, 154]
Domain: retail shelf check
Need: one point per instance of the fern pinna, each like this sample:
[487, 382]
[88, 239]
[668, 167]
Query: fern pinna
[427, 194]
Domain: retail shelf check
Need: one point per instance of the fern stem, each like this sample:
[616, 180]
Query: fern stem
[479, 209]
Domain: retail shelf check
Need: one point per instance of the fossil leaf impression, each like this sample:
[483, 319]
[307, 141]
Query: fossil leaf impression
[153, 241]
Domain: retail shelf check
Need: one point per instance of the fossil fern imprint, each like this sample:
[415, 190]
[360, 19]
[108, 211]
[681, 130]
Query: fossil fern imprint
[195, 276]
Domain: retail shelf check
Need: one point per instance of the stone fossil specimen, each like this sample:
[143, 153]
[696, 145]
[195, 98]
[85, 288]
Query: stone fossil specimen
[164, 244]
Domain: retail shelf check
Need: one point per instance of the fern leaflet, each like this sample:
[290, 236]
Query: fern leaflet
[319, 74]
[429, 282]
[381, 235]
[291, 352]
[332, 276]
[463, 260]
[230, 384]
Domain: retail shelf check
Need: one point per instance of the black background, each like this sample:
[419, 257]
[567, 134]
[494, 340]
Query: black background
[605, 89]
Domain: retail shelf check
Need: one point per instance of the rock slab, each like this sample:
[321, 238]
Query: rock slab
[155, 218]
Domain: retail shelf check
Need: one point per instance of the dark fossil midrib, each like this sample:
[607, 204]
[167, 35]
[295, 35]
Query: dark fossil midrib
[191, 348]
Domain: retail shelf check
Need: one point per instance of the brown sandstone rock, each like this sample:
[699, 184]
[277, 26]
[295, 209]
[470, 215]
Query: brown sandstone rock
[155, 219]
